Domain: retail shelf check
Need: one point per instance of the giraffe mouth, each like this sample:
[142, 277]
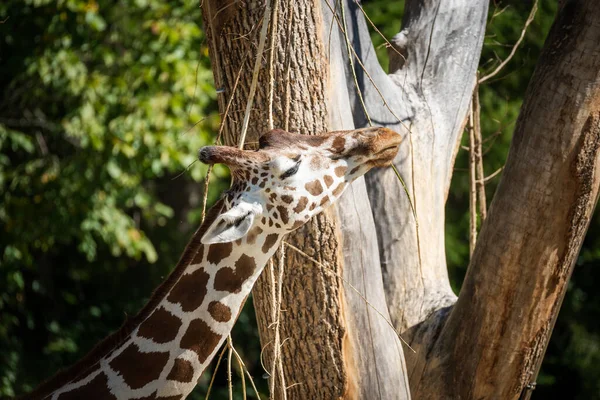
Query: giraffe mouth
[385, 157]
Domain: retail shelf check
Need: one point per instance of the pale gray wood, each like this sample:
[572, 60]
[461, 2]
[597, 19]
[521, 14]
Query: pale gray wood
[429, 92]
[376, 349]
[495, 337]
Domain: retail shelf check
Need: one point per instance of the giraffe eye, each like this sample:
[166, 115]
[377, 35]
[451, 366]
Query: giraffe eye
[291, 171]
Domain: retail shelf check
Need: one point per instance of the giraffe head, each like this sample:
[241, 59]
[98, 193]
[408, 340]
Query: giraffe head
[292, 177]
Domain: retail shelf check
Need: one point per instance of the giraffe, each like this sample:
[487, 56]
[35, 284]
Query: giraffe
[161, 352]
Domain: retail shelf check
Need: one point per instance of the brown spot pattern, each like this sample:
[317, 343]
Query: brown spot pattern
[200, 339]
[340, 171]
[338, 144]
[198, 256]
[190, 290]
[182, 371]
[297, 225]
[339, 189]
[328, 180]
[269, 242]
[218, 251]
[151, 397]
[139, 369]
[301, 204]
[253, 234]
[219, 311]
[354, 170]
[315, 188]
[324, 200]
[283, 212]
[97, 388]
[161, 326]
[287, 199]
[229, 280]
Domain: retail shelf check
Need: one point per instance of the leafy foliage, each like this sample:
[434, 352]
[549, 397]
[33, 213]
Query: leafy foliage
[96, 99]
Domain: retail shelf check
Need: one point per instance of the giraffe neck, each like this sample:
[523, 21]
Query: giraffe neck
[165, 349]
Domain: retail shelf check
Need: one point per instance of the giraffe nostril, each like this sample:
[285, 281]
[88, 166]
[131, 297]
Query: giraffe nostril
[204, 155]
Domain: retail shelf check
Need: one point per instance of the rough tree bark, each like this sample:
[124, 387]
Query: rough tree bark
[488, 343]
[535, 227]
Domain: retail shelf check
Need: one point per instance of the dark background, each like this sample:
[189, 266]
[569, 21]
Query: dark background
[104, 103]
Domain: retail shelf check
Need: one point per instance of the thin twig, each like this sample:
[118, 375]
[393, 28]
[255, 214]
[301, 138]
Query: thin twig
[229, 380]
[481, 198]
[472, 187]
[277, 362]
[278, 333]
[271, 62]
[489, 177]
[288, 65]
[184, 171]
[193, 126]
[247, 372]
[389, 45]
[239, 360]
[255, 73]
[205, 195]
[516, 45]
[221, 130]
[214, 374]
[412, 207]
[351, 59]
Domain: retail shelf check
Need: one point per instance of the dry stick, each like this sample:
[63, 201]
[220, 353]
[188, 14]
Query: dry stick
[277, 346]
[221, 130]
[243, 377]
[472, 188]
[362, 296]
[184, 171]
[378, 31]
[261, 47]
[516, 45]
[487, 178]
[477, 145]
[193, 126]
[351, 59]
[229, 381]
[212, 379]
[244, 368]
[288, 65]
[271, 59]
[273, 321]
[276, 298]
[205, 196]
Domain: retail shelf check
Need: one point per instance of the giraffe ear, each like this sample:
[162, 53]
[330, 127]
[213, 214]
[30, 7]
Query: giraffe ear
[232, 225]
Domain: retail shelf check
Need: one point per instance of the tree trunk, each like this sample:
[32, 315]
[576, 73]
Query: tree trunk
[535, 227]
[488, 343]
[334, 345]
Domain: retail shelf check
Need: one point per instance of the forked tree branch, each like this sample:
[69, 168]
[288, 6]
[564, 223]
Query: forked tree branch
[534, 230]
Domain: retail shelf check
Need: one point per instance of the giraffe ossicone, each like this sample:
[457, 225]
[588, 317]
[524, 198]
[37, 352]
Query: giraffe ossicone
[161, 352]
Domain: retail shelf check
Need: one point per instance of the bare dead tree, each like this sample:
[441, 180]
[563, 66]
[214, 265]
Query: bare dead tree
[319, 72]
